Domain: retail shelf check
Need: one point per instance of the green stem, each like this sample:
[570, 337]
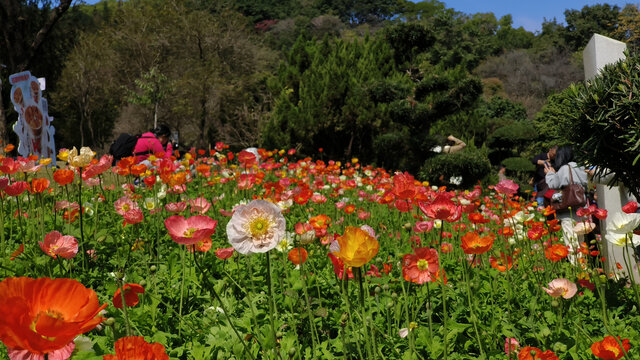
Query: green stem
[474, 318]
[124, 309]
[205, 280]
[272, 306]
[312, 325]
[182, 250]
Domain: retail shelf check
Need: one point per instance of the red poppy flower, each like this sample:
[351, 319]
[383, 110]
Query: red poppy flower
[136, 348]
[9, 166]
[533, 353]
[16, 188]
[609, 349]
[472, 243]
[441, 208]
[421, 266]
[63, 176]
[44, 315]
[297, 255]
[131, 292]
[338, 267]
[404, 187]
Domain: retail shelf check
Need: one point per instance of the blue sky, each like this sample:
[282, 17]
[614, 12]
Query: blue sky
[526, 13]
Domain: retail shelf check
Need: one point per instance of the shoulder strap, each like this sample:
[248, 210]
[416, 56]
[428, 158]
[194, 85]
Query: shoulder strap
[570, 175]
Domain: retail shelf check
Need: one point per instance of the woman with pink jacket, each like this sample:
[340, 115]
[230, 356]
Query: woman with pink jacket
[153, 142]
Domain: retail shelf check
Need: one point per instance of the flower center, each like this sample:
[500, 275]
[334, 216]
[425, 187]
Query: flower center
[189, 232]
[423, 264]
[259, 227]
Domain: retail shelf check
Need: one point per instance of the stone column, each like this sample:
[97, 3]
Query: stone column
[601, 51]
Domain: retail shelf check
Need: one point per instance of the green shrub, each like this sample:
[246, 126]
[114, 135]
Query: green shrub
[472, 165]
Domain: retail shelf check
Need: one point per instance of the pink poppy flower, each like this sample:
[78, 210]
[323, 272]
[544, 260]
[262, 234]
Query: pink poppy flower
[176, 207]
[124, 204]
[60, 354]
[225, 253]
[561, 287]
[423, 226]
[64, 204]
[511, 346]
[256, 227]
[133, 216]
[507, 187]
[190, 231]
[55, 244]
[199, 205]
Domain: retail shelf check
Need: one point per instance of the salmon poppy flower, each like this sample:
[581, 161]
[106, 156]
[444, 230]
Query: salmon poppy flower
[356, 247]
[190, 231]
[43, 316]
[199, 205]
[609, 349]
[472, 243]
[55, 244]
[556, 252]
[63, 176]
[136, 348]
[561, 287]
[256, 227]
[297, 255]
[421, 266]
[131, 292]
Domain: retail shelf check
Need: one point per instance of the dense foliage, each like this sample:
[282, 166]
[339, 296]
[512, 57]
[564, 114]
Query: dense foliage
[379, 79]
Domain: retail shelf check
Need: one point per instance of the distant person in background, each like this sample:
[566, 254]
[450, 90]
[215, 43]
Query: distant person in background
[154, 142]
[452, 145]
[541, 161]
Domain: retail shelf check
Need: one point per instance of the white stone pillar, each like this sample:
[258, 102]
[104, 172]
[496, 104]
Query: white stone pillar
[601, 51]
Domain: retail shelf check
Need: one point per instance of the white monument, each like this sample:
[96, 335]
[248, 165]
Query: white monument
[601, 51]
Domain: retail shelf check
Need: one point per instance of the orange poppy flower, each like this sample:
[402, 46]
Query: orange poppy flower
[39, 185]
[349, 209]
[297, 255]
[477, 218]
[609, 348]
[9, 147]
[63, 176]
[138, 169]
[131, 292]
[320, 221]
[357, 247]
[548, 211]
[556, 252]
[502, 263]
[472, 243]
[136, 348]
[44, 315]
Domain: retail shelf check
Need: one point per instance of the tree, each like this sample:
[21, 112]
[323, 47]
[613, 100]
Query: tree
[154, 87]
[581, 25]
[600, 119]
[628, 29]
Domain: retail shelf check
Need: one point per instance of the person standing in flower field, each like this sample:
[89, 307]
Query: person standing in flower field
[567, 170]
[542, 161]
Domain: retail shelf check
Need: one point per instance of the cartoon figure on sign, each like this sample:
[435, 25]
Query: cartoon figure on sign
[33, 126]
